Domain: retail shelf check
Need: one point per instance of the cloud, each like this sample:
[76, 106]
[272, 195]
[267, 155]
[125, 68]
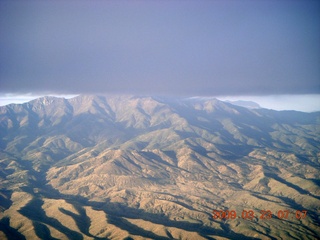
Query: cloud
[304, 103]
[160, 47]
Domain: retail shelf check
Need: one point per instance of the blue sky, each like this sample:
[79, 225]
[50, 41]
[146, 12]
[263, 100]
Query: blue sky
[184, 48]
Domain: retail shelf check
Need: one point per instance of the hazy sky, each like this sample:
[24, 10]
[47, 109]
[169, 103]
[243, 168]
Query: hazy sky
[195, 48]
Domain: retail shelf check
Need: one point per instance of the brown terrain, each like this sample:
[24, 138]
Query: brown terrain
[125, 167]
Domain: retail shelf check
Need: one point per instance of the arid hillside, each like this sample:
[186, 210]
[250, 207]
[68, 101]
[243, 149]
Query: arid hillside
[126, 167]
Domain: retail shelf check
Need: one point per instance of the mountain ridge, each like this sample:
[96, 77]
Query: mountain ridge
[171, 161]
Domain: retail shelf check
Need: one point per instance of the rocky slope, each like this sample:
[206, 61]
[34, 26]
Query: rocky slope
[125, 167]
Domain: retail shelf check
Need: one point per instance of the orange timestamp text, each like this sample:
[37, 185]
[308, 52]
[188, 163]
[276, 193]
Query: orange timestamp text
[263, 214]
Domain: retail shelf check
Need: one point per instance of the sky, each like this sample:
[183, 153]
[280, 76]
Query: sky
[258, 49]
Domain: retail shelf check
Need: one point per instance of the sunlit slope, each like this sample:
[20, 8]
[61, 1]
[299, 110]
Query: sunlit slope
[152, 168]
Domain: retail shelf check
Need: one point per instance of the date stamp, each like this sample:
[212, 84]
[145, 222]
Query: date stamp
[263, 214]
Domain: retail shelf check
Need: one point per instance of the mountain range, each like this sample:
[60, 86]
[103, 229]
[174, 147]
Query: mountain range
[141, 167]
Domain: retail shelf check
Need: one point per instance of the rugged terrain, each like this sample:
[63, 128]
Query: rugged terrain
[125, 167]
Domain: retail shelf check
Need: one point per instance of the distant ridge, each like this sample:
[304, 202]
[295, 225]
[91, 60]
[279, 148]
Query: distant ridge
[247, 104]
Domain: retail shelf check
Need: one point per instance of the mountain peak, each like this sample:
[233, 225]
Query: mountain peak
[46, 100]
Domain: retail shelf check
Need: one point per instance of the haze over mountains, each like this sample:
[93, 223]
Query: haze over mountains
[127, 167]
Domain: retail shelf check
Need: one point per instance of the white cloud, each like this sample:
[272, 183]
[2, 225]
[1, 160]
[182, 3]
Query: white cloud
[304, 103]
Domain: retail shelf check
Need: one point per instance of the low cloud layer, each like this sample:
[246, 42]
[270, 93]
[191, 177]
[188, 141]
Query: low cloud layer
[160, 47]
